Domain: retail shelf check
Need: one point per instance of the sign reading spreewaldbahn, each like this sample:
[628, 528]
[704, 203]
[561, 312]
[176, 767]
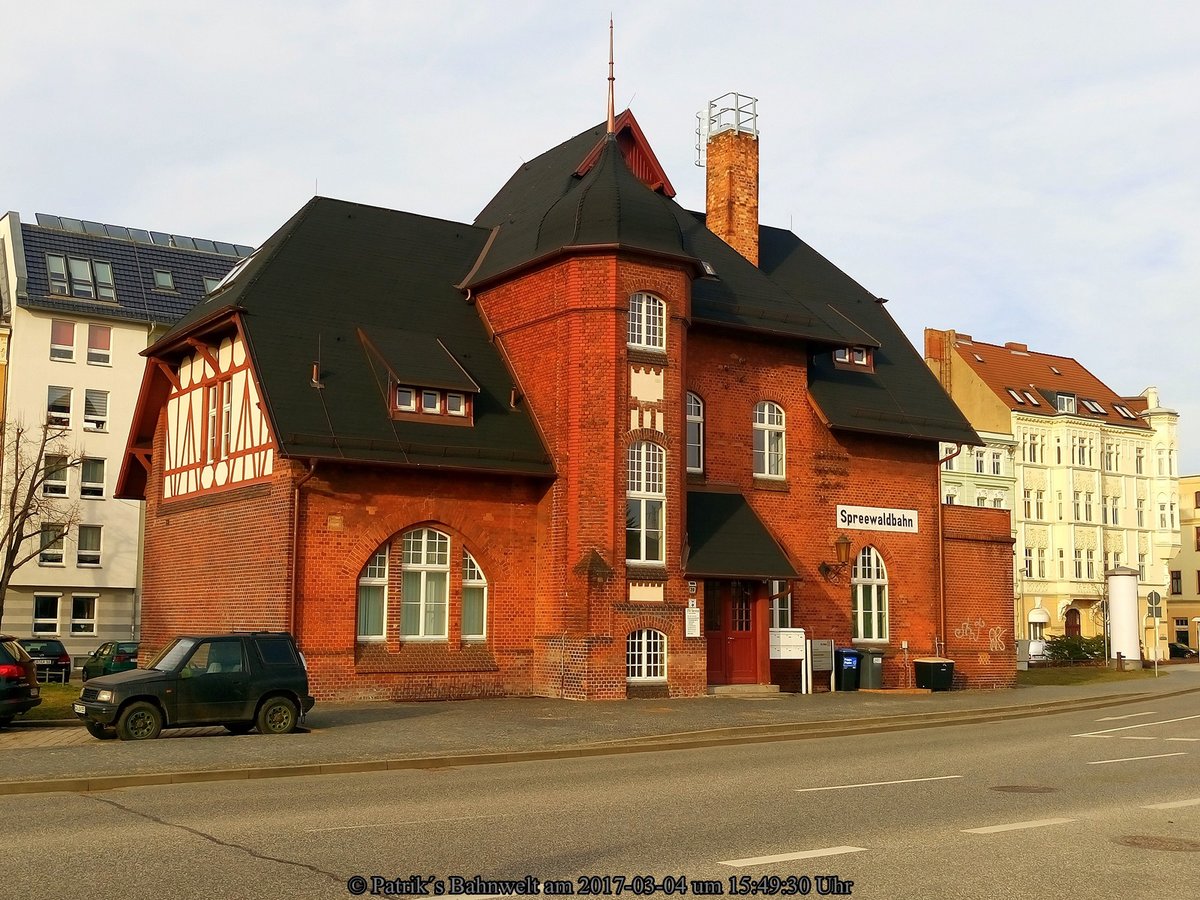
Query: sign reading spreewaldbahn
[877, 518]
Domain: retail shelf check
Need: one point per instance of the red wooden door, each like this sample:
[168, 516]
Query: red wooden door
[729, 628]
[1072, 623]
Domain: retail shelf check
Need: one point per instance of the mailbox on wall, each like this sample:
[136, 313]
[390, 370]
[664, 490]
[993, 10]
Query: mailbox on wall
[787, 643]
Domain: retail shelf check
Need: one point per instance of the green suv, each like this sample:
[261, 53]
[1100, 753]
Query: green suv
[242, 681]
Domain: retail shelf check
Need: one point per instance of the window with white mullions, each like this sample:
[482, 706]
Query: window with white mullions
[89, 546]
[646, 656]
[45, 613]
[769, 440]
[52, 538]
[91, 478]
[474, 599]
[695, 433]
[62, 340]
[372, 597]
[54, 483]
[647, 322]
[869, 586]
[781, 605]
[425, 591]
[645, 504]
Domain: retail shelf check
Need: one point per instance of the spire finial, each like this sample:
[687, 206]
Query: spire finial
[612, 116]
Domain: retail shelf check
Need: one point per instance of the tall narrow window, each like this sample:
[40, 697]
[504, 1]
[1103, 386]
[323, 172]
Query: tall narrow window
[646, 656]
[91, 478]
[781, 605]
[54, 482]
[62, 340]
[106, 288]
[52, 539]
[58, 406]
[99, 345]
[695, 433]
[83, 614]
[45, 613]
[425, 592]
[474, 599]
[226, 417]
[869, 586]
[769, 440]
[645, 493]
[979, 461]
[372, 597]
[56, 270]
[89, 546]
[95, 410]
[82, 284]
[218, 419]
[647, 322]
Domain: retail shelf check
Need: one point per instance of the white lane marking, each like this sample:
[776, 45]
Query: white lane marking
[1100, 762]
[1130, 716]
[1016, 826]
[788, 857]
[1175, 805]
[838, 787]
[1182, 739]
[399, 824]
[1137, 737]
[1138, 725]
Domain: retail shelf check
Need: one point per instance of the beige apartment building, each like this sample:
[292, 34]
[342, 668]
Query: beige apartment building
[1090, 476]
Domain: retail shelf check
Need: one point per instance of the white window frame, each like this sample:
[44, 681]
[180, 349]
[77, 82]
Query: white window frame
[41, 624]
[869, 581]
[770, 425]
[82, 625]
[90, 558]
[411, 404]
[59, 485]
[93, 421]
[646, 657]
[781, 604]
[436, 408]
[92, 490]
[426, 553]
[1066, 403]
[456, 404]
[95, 355]
[62, 352]
[59, 419]
[695, 432]
[58, 276]
[646, 502]
[473, 579]
[374, 575]
[52, 552]
[647, 322]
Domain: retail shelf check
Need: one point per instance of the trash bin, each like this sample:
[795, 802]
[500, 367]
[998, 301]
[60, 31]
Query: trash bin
[934, 673]
[845, 668]
[870, 671]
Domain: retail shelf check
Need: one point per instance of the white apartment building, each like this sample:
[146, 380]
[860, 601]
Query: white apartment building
[78, 302]
[1093, 482]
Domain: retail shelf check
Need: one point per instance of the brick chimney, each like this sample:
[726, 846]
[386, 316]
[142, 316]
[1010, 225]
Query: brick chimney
[730, 133]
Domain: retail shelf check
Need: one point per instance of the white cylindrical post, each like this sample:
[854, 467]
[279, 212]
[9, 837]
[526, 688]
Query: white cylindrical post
[1123, 614]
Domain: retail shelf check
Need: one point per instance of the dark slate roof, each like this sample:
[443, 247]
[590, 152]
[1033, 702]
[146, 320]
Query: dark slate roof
[133, 273]
[546, 206]
[727, 539]
[337, 270]
[902, 398]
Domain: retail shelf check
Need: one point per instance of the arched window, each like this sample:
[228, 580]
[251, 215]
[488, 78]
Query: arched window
[474, 599]
[424, 601]
[869, 585]
[768, 440]
[645, 504]
[695, 433]
[646, 656]
[647, 322]
[372, 597]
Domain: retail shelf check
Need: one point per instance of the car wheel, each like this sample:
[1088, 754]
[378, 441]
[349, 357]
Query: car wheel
[139, 721]
[99, 732]
[238, 727]
[277, 715]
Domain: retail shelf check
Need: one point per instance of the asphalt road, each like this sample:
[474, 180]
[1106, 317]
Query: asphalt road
[1097, 804]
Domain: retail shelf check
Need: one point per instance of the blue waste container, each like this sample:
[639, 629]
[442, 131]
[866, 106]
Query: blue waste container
[846, 663]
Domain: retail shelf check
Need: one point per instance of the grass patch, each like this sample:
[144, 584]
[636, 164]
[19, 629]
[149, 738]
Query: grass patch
[1078, 675]
[56, 702]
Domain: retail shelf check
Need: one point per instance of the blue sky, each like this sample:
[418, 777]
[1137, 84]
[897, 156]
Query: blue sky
[1018, 171]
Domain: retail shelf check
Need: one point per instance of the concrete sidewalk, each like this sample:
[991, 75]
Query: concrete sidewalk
[383, 735]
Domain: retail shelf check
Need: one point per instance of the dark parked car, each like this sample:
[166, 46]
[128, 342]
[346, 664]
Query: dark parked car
[19, 691]
[242, 681]
[1181, 651]
[115, 656]
[51, 658]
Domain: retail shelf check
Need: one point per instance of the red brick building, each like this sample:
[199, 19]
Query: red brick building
[592, 445]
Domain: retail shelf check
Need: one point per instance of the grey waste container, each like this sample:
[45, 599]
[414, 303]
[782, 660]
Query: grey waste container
[845, 668]
[870, 669]
[934, 673]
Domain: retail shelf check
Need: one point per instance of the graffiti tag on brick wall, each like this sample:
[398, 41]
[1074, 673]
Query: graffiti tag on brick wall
[974, 631]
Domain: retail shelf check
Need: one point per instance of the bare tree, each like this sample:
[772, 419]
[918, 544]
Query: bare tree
[32, 495]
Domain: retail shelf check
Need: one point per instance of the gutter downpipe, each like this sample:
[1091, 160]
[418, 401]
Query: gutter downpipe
[312, 468]
[941, 549]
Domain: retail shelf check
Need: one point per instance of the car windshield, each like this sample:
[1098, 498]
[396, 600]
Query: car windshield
[173, 654]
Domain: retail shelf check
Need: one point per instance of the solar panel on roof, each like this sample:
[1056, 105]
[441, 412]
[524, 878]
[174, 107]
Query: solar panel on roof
[162, 240]
[48, 221]
[204, 244]
[72, 225]
[140, 235]
[243, 250]
[227, 249]
[179, 240]
[95, 228]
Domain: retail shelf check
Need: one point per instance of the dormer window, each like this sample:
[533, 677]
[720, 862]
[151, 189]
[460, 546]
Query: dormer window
[406, 399]
[423, 403]
[854, 358]
[72, 276]
[456, 405]
[431, 402]
[1066, 403]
